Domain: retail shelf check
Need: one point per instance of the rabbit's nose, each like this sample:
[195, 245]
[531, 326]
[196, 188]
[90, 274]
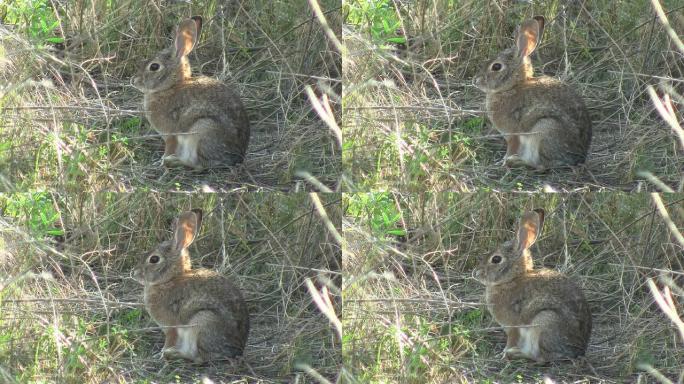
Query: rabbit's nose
[135, 80]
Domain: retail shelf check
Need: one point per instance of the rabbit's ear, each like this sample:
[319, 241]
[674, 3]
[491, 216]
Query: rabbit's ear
[186, 36]
[528, 36]
[198, 213]
[198, 24]
[540, 20]
[530, 228]
[187, 227]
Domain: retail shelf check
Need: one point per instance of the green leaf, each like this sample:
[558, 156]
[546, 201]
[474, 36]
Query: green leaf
[396, 232]
[55, 232]
[397, 40]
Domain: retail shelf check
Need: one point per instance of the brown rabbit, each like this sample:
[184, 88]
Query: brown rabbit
[203, 314]
[202, 121]
[543, 312]
[545, 123]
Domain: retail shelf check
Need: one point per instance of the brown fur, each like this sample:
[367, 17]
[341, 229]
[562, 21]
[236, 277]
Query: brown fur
[545, 123]
[203, 122]
[202, 314]
[545, 314]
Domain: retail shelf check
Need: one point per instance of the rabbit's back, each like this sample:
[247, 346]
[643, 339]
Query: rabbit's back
[518, 302]
[543, 110]
[517, 110]
[175, 110]
[178, 300]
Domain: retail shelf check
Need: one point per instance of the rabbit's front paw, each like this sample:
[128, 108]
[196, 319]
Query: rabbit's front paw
[512, 353]
[171, 353]
[513, 161]
[171, 161]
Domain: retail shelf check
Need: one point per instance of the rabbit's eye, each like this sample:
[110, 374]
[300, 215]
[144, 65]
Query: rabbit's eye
[496, 67]
[154, 67]
[154, 259]
[496, 259]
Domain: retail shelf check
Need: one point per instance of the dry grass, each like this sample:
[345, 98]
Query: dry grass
[71, 121]
[414, 296]
[69, 312]
[414, 122]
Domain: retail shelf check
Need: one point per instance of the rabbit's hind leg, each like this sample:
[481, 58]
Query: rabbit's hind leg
[545, 146]
[215, 343]
[528, 344]
[215, 151]
[552, 339]
[192, 338]
[535, 338]
[559, 148]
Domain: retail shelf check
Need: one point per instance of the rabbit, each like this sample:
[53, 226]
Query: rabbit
[545, 123]
[203, 314]
[543, 312]
[202, 121]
